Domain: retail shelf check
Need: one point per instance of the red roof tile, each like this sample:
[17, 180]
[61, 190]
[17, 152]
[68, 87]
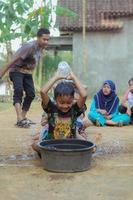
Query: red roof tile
[100, 14]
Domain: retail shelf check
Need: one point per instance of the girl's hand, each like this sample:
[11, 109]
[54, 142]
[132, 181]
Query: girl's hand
[108, 116]
[102, 111]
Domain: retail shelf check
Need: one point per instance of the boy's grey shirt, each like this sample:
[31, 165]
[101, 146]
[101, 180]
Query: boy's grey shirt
[29, 54]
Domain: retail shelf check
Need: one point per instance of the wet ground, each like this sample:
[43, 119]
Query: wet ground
[22, 176]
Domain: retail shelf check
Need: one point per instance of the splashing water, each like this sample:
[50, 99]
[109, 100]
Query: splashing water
[111, 147]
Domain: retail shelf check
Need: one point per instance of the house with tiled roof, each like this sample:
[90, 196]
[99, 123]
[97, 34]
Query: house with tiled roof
[102, 40]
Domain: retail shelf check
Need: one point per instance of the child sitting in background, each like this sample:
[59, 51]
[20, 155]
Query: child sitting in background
[82, 122]
[39, 136]
[62, 112]
[104, 107]
[127, 102]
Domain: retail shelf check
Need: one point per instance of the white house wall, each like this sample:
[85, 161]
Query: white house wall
[107, 55]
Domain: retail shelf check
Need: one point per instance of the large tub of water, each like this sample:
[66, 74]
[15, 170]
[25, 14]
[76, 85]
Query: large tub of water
[66, 155]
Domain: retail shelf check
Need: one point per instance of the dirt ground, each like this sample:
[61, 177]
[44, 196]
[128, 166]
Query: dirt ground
[22, 176]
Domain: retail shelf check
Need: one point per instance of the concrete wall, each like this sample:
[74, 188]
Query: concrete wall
[104, 55]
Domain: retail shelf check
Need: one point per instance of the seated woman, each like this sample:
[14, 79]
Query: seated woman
[104, 107]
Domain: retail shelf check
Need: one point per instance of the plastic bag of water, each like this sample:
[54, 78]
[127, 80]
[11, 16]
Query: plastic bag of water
[64, 69]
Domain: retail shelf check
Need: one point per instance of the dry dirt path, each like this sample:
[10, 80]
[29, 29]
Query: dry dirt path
[23, 178]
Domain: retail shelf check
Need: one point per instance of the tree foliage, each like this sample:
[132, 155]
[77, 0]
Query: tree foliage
[43, 17]
[13, 14]
[19, 19]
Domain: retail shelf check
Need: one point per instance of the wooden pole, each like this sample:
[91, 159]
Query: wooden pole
[84, 36]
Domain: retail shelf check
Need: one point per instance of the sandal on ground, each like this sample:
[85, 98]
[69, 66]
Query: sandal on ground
[29, 121]
[22, 124]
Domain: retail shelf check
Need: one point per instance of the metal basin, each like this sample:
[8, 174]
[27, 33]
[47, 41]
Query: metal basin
[67, 155]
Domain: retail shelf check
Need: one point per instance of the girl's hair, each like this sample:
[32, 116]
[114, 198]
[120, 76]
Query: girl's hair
[64, 88]
[131, 79]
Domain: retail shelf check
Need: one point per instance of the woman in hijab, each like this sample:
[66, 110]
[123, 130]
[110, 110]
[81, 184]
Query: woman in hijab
[104, 107]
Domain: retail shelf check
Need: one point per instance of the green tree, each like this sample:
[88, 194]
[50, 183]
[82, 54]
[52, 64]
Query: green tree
[13, 16]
